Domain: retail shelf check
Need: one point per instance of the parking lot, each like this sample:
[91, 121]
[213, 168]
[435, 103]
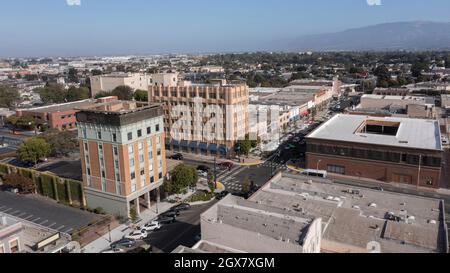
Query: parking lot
[44, 212]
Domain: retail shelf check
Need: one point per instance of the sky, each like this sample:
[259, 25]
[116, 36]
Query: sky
[35, 28]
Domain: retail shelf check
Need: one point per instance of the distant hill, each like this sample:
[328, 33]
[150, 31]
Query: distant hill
[390, 36]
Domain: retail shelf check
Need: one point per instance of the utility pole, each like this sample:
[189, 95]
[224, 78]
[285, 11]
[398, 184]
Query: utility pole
[215, 172]
[418, 173]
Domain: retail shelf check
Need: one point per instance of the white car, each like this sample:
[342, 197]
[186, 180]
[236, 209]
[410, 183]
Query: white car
[152, 226]
[202, 173]
[137, 235]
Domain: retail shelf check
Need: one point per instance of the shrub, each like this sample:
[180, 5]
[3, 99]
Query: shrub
[75, 190]
[62, 192]
[47, 186]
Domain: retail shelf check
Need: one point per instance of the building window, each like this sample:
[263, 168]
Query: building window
[142, 172]
[85, 146]
[336, 169]
[14, 246]
[99, 135]
[103, 174]
[84, 134]
[131, 162]
[88, 171]
[152, 179]
[116, 151]
[159, 153]
[160, 175]
[130, 148]
[133, 175]
[141, 158]
[139, 133]
[104, 185]
[87, 159]
[130, 136]
[100, 147]
[157, 128]
[116, 163]
[114, 136]
[141, 146]
[149, 130]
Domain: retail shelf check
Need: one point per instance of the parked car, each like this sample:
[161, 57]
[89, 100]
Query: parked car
[137, 235]
[123, 243]
[222, 195]
[181, 207]
[171, 213]
[165, 220]
[203, 168]
[152, 226]
[378, 188]
[177, 157]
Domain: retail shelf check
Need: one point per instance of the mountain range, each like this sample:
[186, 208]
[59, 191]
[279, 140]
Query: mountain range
[419, 35]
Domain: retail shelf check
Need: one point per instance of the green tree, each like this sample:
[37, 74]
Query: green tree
[53, 93]
[123, 92]
[182, 177]
[244, 146]
[34, 149]
[96, 72]
[75, 94]
[211, 182]
[133, 215]
[73, 75]
[61, 143]
[141, 95]
[246, 185]
[9, 96]
[24, 122]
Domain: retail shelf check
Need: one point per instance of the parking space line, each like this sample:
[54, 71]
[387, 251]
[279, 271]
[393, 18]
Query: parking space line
[22, 214]
[2, 207]
[68, 230]
[5, 211]
[45, 221]
[16, 211]
[61, 227]
[29, 217]
[51, 225]
[36, 219]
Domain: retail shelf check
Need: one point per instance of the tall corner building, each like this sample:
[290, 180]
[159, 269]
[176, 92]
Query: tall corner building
[122, 154]
[233, 101]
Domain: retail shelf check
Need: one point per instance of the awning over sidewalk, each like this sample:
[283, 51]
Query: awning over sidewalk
[175, 142]
[203, 146]
[213, 147]
[193, 145]
[185, 143]
[223, 149]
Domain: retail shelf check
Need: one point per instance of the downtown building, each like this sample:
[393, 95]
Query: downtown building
[203, 118]
[387, 149]
[122, 154]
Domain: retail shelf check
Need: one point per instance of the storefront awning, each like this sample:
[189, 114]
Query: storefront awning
[185, 143]
[203, 146]
[193, 145]
[213, 147]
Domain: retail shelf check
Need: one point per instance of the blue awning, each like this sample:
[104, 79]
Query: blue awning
[193, 144]
[223, 148]
[175, 142]
[185, 143]
[203, 146]
[213, 147]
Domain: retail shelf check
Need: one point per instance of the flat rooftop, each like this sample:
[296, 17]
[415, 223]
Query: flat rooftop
[403, 132]
[286, 98]
[358, 216]
[62, 107]
[423, 100]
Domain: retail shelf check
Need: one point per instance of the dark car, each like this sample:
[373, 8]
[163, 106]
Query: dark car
[177, 157]
[171, 213]
[123, 243]
[222, 195]
[181, 207]
[203, 168]
[165, 220]
[226, 165]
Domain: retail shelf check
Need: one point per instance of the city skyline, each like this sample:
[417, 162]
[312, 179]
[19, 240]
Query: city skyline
[86, 28]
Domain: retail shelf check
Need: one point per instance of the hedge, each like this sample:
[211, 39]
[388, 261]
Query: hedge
[50, 185]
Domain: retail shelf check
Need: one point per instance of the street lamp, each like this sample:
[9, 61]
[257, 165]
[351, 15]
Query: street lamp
[318, 162]
[418, 173]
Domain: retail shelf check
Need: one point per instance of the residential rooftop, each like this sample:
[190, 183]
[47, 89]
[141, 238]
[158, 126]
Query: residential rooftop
[385, 131]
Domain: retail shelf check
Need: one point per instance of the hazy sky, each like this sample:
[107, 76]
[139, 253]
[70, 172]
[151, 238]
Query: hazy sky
[106, 27]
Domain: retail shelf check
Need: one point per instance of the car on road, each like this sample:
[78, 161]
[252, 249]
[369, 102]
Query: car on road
[165, 220]
[181, 207]
[171, 213]
[226, 165]
[378, 189]
[152, 226]
[176, 157]
[222, 195]
[202, 173]
[123, 243]
[137, 235]
[203, 168]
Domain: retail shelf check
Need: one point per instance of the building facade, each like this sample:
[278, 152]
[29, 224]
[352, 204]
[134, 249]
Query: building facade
[123, 155]
[399, 150]
[224, 106]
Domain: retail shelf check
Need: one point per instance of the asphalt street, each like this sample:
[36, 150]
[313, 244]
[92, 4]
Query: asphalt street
[45, 212]
[183, 232]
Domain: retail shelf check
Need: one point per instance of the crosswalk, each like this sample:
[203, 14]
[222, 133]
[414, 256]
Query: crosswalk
[274, 165]
[33, 219]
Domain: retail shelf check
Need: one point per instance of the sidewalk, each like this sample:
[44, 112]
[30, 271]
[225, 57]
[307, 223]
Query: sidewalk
[103, 243]
[248, 161]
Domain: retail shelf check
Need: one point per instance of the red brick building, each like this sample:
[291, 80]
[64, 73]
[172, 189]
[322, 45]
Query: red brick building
[387, 149]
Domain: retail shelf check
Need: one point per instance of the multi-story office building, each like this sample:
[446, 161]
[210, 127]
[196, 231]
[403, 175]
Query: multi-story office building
[123, 155]
[224, 106]
[388, 149]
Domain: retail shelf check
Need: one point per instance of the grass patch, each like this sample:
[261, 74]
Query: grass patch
[201, 196]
